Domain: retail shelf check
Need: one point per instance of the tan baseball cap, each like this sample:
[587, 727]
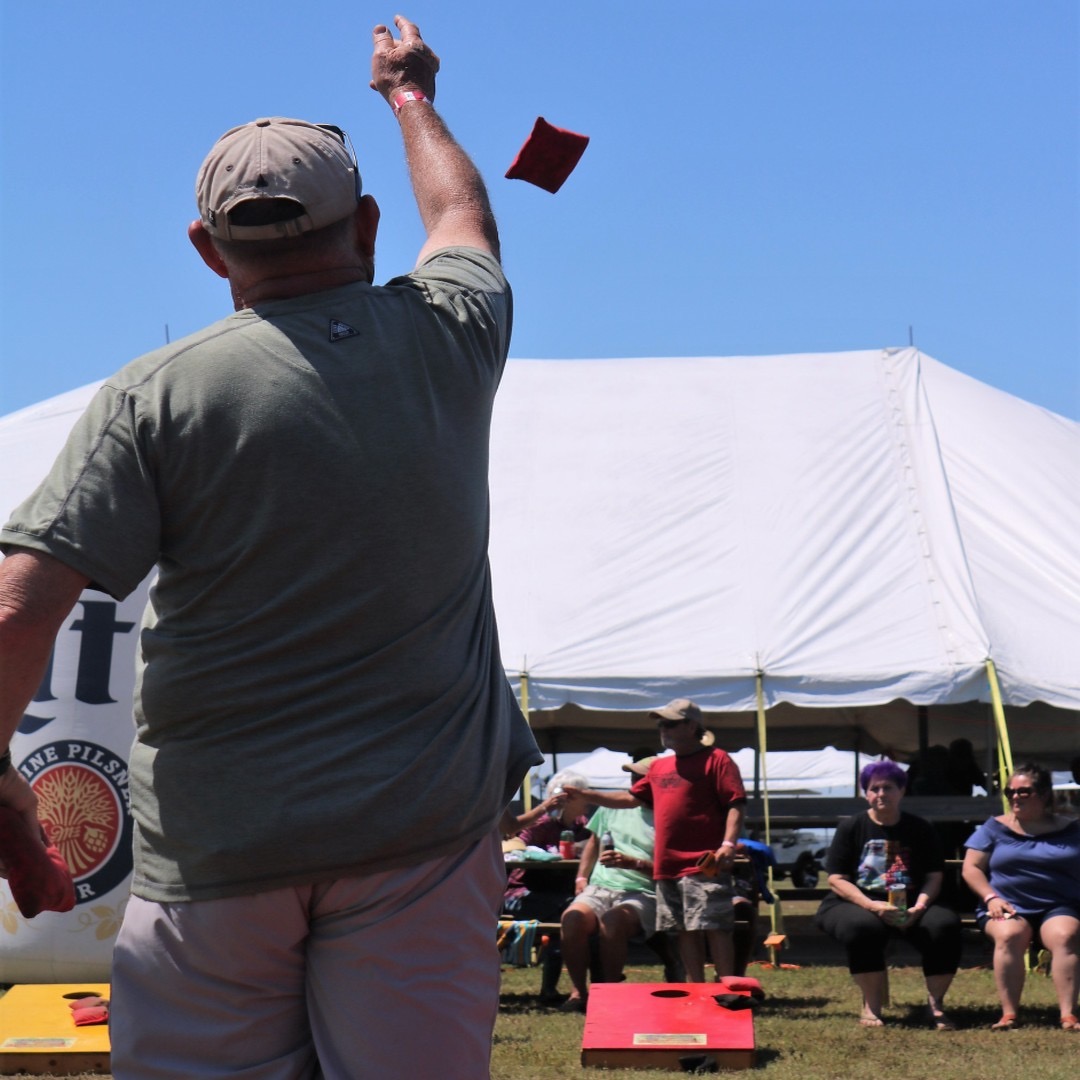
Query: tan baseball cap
[679, 709]
[310, 165]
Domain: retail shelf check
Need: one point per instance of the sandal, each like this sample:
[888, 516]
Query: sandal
[1070, 1023]
[1006, 1023]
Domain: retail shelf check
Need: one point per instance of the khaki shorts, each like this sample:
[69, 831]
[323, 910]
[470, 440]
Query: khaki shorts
[600, 900]
[331, 980]
[695, 902]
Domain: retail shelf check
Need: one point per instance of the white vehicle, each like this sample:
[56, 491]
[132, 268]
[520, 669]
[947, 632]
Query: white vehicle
[800, 855]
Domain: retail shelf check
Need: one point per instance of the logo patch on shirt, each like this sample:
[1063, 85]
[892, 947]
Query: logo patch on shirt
[339, 330]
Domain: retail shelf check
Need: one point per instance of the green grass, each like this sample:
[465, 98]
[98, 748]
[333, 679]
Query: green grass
[806, 1030]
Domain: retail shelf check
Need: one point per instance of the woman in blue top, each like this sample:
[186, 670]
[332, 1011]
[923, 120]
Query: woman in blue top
[1025, 868]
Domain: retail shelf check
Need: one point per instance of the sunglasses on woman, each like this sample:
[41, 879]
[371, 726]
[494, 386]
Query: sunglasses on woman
[1018, 792]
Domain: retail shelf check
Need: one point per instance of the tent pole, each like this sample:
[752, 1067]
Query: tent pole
[761, 740]
[776, 938]
[1005, 761]
[523, 692]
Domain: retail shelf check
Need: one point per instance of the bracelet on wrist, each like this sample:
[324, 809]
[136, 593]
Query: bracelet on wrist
[398, 100]
[990, 896]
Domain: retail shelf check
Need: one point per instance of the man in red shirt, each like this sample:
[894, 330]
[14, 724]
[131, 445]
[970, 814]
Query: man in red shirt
[697, 799]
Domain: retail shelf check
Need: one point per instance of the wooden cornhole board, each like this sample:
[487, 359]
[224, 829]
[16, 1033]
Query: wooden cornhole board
[660, 1025]
[38, 1036]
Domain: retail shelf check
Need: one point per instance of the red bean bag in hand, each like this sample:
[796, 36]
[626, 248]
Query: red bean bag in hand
[37, 874]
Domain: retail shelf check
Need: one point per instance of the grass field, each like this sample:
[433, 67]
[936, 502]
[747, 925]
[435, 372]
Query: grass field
[806, 1030]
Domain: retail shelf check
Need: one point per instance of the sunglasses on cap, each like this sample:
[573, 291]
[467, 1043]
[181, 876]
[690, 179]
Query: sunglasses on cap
[343, 135]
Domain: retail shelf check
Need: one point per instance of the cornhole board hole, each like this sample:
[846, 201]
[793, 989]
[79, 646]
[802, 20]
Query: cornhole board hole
[673, 1026]
[39, 1037]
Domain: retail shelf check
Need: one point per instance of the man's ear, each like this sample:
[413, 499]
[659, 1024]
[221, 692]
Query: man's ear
[366, 220]
[203, 243]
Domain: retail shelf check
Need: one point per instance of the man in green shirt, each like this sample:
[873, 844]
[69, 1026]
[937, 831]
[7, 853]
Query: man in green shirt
[325, 737]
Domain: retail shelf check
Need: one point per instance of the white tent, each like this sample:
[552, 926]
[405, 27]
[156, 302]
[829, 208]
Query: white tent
[865, 530]
[790, 772]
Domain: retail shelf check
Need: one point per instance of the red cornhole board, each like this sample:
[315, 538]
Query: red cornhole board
[661, 1025]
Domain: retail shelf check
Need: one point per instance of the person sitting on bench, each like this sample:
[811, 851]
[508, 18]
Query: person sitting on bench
[615, 899]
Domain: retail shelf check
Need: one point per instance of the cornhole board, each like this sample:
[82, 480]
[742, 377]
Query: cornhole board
[665, 1026]
[39, 1037]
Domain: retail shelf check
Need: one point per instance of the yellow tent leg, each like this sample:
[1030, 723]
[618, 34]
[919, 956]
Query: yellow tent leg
[776, 919]
[1005, 760]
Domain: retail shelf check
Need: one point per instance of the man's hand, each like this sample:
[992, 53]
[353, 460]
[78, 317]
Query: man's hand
[620, 860]
[408, 64]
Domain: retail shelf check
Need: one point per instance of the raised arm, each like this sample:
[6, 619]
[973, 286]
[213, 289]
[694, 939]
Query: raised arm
[511, 824]
[450, 193]
[615, 800]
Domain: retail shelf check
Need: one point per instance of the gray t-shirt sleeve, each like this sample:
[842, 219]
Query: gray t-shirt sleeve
[96, 511]
[465, 291]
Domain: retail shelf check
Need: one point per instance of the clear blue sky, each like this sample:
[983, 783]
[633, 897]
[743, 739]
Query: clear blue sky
[764, 176]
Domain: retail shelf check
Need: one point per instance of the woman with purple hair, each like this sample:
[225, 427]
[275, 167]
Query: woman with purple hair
[885, 870]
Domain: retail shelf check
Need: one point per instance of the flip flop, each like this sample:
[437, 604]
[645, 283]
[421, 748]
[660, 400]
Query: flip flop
[1070, 1023]
[1006, 1023]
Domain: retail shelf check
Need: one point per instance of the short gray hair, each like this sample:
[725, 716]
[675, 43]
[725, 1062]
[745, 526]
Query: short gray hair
[563, 779]
[329, 240]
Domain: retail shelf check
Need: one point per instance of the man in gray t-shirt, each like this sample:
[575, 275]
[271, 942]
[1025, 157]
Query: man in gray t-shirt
[319, 655]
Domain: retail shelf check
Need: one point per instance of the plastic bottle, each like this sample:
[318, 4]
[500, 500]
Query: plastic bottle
[607, 842]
